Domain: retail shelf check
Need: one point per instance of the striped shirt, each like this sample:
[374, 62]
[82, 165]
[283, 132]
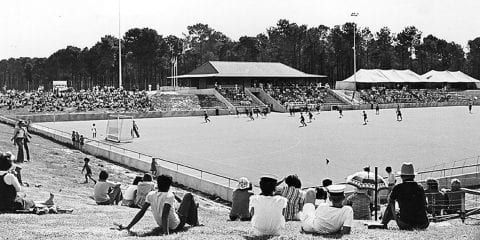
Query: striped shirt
[360, 203]
[295, 199]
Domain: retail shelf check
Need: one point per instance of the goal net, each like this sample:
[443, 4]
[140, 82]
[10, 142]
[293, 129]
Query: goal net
[119, 128]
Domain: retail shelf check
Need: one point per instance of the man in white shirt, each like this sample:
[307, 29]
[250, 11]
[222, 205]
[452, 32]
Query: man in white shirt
[163, 208]
[267, 210]
[328, 218]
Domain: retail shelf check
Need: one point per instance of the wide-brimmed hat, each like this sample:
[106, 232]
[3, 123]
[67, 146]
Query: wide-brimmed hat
[243, 183]
[407, 169]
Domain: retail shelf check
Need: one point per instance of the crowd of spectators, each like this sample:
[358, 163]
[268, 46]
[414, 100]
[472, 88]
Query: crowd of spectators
[309, 94]
[103, 99]
[107, 98]
[404, 95]
[236, 96]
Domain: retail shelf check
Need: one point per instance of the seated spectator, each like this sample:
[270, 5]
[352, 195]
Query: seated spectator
[106, 192]
[241, 200]
[360, 203]
[294, 195]
[435, 199]
[455, 197]
[411, 200]
[390, 178]
[164, 208]
[131, 193]
[143, 188]
[267, 209]
[11, 196]
[328, 218]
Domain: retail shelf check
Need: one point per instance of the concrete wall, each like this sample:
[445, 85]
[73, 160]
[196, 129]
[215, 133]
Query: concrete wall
[209, 91]
[254, 98]
[134, 160]
[337, 96]
[264, 97]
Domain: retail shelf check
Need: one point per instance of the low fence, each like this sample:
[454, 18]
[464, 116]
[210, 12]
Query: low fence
[403, 105]
[467, 170]
[56, 117]
[195, 178]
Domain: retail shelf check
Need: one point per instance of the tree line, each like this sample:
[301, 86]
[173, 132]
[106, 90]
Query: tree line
[146, 55]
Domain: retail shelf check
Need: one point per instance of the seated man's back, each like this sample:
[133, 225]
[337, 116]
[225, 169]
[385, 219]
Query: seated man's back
[267, 218]
[411, 200]
[329, 219]
[157, 200]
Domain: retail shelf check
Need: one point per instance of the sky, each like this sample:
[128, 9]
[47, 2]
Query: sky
[37, 28]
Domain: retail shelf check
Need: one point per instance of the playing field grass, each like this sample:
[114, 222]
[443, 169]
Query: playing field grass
[236, 146]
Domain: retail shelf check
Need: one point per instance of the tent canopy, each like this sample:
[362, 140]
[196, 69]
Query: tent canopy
[374, 76]
[384, 76]
[448, 77]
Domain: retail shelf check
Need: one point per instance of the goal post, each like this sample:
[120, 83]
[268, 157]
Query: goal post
[119, 128]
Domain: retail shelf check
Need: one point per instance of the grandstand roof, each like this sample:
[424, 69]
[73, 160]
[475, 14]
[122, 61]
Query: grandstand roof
[213, 69]
[384, 76]
[448, 77]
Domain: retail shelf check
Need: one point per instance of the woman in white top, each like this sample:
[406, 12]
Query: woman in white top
[143, 188]
[131, 193]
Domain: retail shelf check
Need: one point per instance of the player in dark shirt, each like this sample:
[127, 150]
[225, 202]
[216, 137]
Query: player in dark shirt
[205, 115]
[364, 114]
[310, 116]
[399, 114]
[302, 120]
[411, 200]
[377, 110]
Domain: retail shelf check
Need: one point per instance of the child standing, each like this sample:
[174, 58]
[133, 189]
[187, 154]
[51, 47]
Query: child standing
[88, 171]
[94, 131]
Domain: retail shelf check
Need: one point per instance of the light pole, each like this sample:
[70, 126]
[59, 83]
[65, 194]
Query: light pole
[354, 57]
[119, 50]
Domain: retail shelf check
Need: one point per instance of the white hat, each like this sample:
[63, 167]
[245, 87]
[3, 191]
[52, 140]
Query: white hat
[336, 189]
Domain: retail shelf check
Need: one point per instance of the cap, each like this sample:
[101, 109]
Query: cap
[269, 177]
[336, 189]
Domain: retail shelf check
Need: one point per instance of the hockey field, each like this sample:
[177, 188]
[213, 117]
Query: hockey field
[236, 146]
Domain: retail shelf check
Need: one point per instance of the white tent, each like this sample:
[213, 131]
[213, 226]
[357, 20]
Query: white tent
[378, 76]
[448, 77]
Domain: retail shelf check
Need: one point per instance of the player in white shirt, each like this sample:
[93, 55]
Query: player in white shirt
[94, 131]
[267, 210]
[328, 218]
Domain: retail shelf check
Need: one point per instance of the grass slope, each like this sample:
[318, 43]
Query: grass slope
[55, 168]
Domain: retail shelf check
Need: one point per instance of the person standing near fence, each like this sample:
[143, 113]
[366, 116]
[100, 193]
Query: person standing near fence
[18, 138]
[153, 168]
[26, 140]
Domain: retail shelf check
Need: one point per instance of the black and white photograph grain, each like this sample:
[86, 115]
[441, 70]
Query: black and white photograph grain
[239, 119]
